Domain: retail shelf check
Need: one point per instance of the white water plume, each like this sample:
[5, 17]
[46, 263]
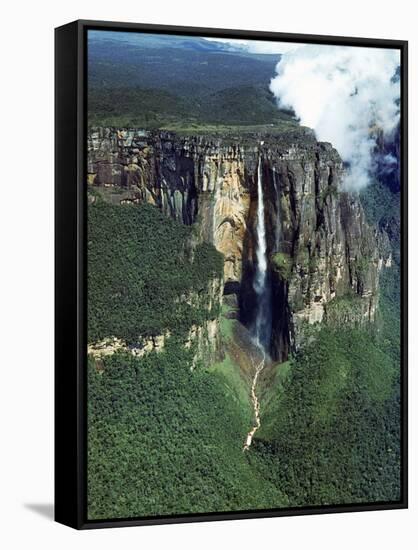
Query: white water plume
[278, 218]
[261, 283]
[261, 253]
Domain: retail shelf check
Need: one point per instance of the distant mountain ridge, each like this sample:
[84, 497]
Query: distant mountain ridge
[168, 40]
[151, 80]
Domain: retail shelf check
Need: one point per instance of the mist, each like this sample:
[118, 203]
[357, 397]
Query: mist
[258, 46]
[348, 95]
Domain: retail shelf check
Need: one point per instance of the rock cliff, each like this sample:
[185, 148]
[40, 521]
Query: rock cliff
[321, 248]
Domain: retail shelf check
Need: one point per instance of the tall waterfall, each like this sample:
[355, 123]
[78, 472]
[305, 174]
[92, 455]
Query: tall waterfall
[278, 223]
[262, 328]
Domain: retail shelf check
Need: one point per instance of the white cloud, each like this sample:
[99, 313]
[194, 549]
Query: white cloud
[258, 46]
[342, 93]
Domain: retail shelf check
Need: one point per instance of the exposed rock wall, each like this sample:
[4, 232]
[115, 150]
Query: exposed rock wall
[319, 243]
[190, 179]
[203, 339]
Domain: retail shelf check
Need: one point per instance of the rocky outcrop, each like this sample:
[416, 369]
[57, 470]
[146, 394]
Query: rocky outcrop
[189, 179]
[326, 249]
[203, 339]
[109, 346]
[320, 245]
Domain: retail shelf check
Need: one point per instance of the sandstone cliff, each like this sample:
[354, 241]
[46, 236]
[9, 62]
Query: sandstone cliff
[320, 246]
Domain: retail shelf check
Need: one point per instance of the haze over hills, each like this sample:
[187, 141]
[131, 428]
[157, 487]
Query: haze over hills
[177, 81]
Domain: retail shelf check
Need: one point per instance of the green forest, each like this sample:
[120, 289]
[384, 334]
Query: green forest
[163, 82]
[165, 439]
[135, 287]
[191, 126]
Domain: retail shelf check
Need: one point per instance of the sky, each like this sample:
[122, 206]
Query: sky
[342, 92]
[258, 46]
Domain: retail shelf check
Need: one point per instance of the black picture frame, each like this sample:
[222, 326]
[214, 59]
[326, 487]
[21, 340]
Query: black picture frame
[70, 271]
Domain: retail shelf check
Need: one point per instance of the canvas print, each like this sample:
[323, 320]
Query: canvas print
[243, 258]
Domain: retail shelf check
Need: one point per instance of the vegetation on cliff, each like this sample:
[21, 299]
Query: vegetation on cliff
[166, 440]
[282, 264]
[163, 439]
[144, 277]
[167, 423]
[330, 428]
[154, 108]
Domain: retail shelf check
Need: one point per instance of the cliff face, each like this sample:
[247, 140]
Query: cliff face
[320, 247]
[202, 339]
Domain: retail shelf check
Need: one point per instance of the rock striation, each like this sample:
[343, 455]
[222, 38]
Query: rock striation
[320, 246]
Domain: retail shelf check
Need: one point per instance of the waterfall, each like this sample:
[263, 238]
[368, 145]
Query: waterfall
[262, 328]
[278, 221]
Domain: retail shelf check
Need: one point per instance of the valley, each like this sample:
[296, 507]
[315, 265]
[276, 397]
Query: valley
[248, 298]
[243, 299]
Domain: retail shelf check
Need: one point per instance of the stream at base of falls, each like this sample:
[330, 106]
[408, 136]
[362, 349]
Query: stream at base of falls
[255, 401]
